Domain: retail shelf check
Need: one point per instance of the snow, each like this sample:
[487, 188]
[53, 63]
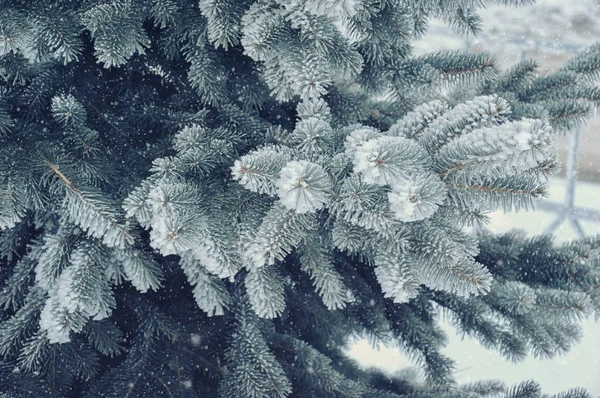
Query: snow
[333, 8]
[65, 296]
[382, 160]
[545, 30]
[49, 321]
[477, 112]
[195, 339]
[207, 253]
[580, 367]
[524, 140]
[402, 205]
[404, 200]
[314, 108]
[521, 145]
[358, 138]
[550, 31]
[535, 223]
[396, 283]
[162, 237]
[365, 161]
[415, 121]
[300, 186]
[257, 170]
[239, 173]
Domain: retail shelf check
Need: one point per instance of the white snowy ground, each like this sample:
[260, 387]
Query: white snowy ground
[579, 368]
[551, 31]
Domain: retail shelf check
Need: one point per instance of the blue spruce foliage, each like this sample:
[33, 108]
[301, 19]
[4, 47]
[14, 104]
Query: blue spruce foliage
[209, 198]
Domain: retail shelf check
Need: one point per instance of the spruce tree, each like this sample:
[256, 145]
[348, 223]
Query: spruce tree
[208, 198]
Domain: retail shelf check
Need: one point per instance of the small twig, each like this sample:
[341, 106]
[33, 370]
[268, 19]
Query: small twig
[56, 168]
[500, 190]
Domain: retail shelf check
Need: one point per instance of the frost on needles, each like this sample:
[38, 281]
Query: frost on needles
[209, 197]
[385, 182]
[467, 158]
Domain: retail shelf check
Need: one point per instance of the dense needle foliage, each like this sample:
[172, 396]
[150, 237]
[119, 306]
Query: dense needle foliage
[208, 198]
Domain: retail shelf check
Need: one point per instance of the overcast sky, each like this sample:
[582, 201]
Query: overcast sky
[558, 28]
[579, 368]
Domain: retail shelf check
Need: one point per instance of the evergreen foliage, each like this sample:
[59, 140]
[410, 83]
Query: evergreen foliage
[208, 198]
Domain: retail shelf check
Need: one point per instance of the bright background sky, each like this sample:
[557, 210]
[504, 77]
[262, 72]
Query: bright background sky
[579, 368]
[550, 31]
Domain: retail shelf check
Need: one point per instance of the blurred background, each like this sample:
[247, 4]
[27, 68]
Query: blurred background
[550, 31]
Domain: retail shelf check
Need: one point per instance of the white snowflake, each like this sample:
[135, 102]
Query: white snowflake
[195, 339]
